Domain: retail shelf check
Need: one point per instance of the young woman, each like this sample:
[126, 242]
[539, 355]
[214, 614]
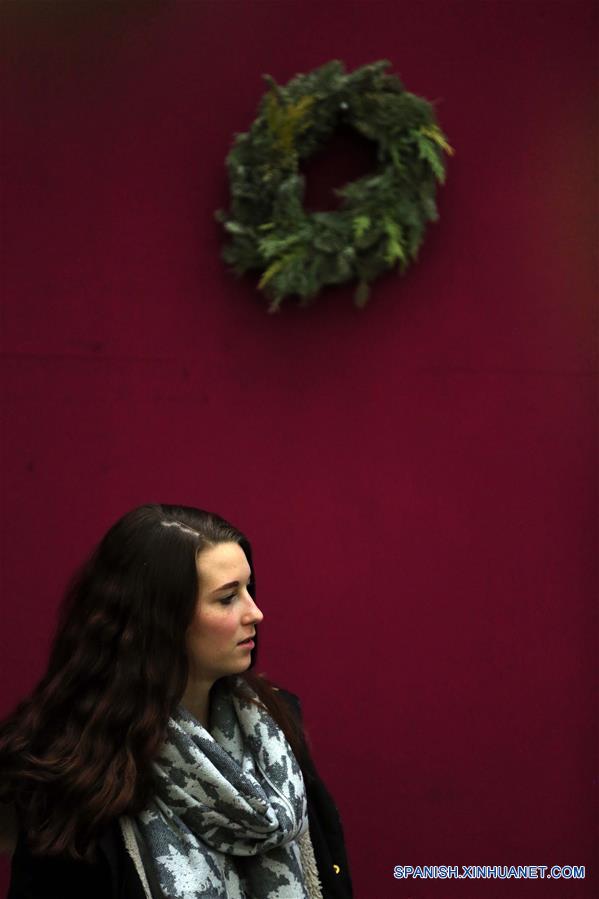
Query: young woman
[150, 762]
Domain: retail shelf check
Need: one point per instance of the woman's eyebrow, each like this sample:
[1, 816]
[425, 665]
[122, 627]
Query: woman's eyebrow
[231, 584]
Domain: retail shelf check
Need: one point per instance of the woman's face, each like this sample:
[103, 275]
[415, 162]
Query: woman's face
[225, 615]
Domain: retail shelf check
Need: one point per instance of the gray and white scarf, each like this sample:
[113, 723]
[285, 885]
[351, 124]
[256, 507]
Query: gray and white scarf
[229, 818]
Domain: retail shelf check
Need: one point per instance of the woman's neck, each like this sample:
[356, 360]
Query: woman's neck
[196, 700]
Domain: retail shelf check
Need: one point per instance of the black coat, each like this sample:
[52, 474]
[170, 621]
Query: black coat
[113, 875]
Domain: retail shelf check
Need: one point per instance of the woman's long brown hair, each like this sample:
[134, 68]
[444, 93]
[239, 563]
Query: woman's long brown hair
[78, 752]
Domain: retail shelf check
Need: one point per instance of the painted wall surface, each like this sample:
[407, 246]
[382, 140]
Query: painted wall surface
[418, 478]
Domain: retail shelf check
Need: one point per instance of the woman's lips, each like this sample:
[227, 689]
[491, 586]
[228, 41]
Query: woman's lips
[247, 644]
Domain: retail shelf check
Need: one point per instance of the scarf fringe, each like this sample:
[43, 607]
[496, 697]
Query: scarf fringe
[310, 868]
[132, 848]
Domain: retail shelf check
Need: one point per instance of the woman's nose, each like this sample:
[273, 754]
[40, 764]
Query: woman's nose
[252, 612]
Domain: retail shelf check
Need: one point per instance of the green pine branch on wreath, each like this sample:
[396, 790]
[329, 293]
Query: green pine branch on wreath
[382, 218]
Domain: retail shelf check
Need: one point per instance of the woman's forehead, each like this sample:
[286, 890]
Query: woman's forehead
[223, 560]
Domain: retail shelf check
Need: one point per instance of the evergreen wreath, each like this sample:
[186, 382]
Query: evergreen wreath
[383, 215]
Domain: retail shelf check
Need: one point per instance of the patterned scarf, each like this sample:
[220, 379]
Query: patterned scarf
[229, 816]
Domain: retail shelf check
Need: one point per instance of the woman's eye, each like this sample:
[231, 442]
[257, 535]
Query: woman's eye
[227, 600]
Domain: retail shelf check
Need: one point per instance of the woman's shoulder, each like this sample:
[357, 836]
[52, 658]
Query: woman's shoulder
[290, 698]
[326, 829]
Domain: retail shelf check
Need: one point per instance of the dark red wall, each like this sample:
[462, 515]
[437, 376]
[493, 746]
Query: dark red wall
[418, 478]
